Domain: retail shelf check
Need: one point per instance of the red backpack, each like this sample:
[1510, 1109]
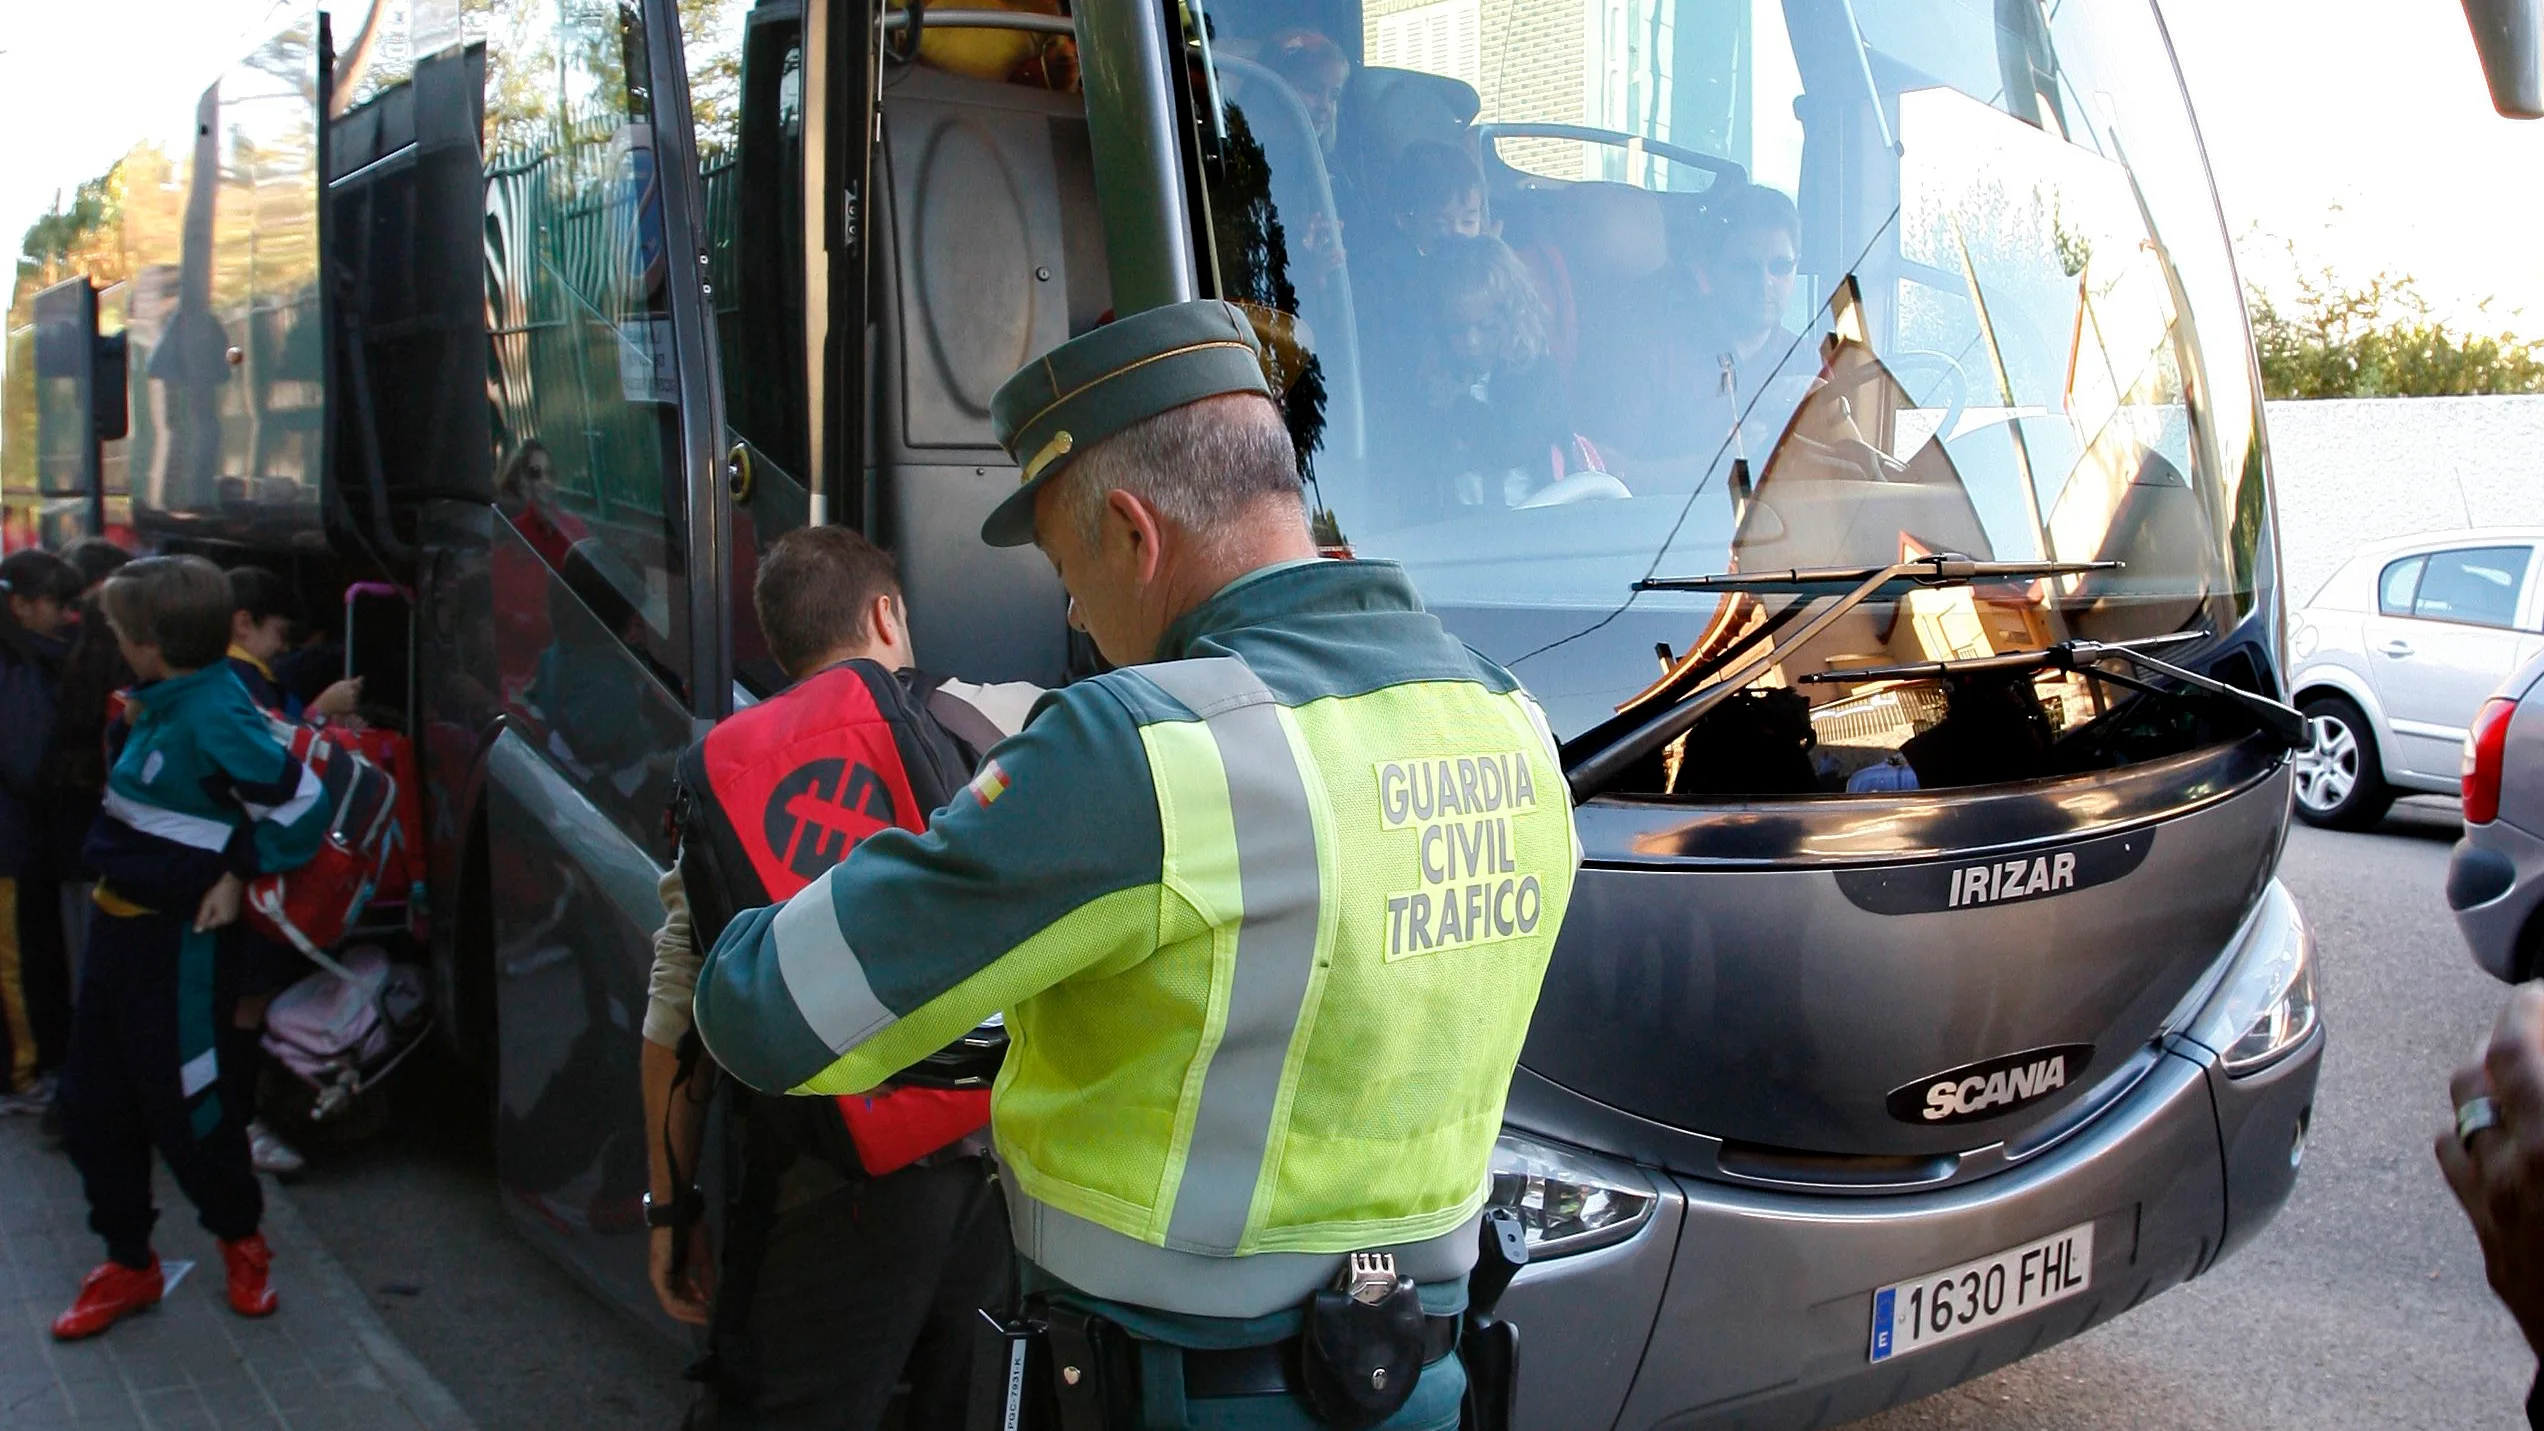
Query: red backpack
[777, 794]
[311, 907]
[401, 888]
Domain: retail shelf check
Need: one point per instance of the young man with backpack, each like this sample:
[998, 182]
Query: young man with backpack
[860, 1234]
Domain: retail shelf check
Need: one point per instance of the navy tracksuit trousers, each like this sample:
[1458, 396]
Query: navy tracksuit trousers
[123, 1090]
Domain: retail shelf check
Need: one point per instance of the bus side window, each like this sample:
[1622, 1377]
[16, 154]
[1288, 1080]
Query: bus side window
[586, 394]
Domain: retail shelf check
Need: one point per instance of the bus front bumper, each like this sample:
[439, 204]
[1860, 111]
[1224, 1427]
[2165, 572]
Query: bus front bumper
[1746, 1307]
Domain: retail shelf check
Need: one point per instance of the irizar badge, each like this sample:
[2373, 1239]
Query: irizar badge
[1965, 885]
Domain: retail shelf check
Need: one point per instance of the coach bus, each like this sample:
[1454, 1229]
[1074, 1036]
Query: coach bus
[1841, 413]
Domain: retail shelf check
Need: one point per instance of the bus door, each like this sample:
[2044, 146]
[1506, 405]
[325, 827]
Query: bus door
[858, 341]
[596, 571]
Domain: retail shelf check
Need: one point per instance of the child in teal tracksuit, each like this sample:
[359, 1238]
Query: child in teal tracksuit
[202, 797]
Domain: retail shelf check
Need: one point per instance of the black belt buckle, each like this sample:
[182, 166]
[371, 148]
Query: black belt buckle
[1361, 1353]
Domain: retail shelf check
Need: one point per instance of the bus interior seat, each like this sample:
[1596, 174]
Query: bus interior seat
[1600, 252]
[1386, 110]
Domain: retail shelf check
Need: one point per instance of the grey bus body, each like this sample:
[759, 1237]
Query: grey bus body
[555, 318]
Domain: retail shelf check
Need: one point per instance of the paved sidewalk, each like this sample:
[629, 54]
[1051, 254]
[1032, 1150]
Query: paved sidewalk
[322, 1363]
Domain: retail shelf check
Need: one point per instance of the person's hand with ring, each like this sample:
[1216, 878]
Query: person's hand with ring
[2494, 1156]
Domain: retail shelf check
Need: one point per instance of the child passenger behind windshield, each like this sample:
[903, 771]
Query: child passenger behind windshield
[1477, 419]
[1439, 195]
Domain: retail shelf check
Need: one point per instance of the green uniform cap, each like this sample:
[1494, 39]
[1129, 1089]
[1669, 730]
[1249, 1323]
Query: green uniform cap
[1098, 383]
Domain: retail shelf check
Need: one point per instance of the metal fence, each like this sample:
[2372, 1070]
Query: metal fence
[574, 261]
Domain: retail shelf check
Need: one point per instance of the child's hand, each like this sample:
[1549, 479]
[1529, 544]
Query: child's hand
[220, 904]
[338, 700]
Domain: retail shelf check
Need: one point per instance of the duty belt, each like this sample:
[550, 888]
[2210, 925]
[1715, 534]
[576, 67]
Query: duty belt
[1362, 1351]
[1264, 1370]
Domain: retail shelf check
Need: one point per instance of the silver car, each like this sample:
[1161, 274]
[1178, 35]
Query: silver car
[2396, 653]
[2496, 883]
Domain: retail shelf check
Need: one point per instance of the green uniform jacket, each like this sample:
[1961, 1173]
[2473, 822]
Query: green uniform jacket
[203, 785]
[1267, 921]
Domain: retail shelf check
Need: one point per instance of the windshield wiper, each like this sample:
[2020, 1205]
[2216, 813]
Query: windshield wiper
[1924, 571]
[2279, 719]
[1850, 586]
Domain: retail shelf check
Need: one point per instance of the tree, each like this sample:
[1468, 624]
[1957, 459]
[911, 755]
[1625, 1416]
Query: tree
[84, 237]
[2379, 340]
[712, 31]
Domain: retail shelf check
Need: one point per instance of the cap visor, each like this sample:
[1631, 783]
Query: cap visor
[1011, 523]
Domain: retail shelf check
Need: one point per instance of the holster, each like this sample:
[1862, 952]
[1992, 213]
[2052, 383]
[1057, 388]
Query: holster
[1094, 1377]
[1488, 1344]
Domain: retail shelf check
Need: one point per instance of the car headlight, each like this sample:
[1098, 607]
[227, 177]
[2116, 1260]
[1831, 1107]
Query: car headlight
[2265, 1007]
[1568, 1201]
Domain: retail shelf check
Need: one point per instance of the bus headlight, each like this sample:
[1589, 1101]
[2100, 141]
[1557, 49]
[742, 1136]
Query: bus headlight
[1568, 1201]
[2266, 1005]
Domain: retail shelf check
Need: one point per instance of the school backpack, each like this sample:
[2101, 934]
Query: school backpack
[401, 882]
[311, 907]
[777, 794]
[340, 1033]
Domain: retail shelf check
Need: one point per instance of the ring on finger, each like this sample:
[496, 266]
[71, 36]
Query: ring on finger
[2475, 1115]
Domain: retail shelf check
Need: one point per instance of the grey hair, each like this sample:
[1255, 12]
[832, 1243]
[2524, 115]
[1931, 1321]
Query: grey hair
[1202, 466]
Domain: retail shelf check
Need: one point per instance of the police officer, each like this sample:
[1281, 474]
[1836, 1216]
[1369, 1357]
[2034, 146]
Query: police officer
[1266, 909]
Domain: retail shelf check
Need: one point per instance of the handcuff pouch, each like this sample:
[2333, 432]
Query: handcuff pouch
[1360, 1355]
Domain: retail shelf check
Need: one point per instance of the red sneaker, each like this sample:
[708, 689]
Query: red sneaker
[106, 1296]
[249, 1260]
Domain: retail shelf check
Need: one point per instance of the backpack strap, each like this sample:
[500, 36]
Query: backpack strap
[706, 851]
[731, 1364]
[936, 763]
[975, 732]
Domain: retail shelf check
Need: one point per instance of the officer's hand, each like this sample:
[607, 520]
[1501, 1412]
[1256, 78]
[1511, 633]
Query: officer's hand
[2499, 1178]
[683, 1291]
[220, 904]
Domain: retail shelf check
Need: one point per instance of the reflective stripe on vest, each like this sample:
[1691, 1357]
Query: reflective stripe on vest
[822, 973]
[1280, 885]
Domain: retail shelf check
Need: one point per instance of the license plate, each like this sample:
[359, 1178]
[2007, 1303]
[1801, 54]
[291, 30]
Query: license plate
[1977, 1295]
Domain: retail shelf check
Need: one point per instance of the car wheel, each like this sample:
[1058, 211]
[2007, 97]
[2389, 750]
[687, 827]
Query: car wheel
[2340, 785]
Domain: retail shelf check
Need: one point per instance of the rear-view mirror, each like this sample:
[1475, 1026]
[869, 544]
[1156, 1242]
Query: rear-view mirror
[2506, 34]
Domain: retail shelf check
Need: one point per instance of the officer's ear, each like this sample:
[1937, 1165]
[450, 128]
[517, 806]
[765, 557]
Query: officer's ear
[1134, 524]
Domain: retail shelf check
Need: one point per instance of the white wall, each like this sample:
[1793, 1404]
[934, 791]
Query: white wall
[2361, 469]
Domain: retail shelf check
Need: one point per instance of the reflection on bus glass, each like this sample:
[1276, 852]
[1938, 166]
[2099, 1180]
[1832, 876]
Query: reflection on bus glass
[1568, 299]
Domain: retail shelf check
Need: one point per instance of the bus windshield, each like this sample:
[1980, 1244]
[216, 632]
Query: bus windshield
[1568, 298]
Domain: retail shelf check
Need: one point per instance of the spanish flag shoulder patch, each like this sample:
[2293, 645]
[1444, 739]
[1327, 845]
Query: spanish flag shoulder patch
[990, 783]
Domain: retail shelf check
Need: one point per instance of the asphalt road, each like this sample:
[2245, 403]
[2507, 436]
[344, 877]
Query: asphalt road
[2361, 1306]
